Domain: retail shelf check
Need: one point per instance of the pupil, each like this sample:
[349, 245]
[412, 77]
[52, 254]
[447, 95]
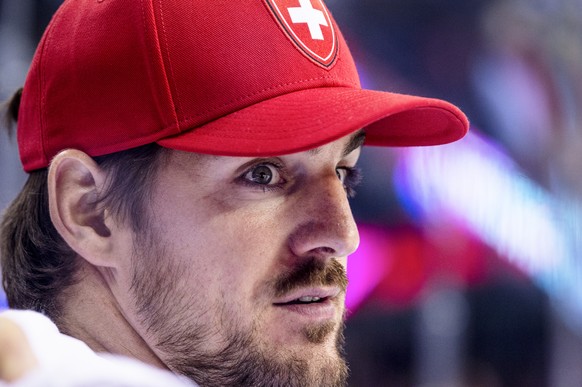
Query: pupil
[262, 175]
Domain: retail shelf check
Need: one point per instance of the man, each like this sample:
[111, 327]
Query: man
[190, 164]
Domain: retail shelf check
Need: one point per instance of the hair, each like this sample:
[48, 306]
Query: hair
[37, 264]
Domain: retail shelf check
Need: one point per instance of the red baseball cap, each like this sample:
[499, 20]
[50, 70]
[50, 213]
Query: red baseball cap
[222, 77]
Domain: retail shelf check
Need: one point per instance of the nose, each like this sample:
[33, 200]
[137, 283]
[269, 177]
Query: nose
[326, 227]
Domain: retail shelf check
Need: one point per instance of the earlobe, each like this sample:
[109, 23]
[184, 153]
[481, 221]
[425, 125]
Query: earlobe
[75, 182]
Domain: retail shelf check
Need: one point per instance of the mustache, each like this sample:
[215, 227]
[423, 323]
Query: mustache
[312, 272]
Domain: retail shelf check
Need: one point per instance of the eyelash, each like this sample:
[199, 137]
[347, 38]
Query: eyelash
[353, 178]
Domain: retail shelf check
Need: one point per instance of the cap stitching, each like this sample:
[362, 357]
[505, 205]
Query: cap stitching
[143, 18]
[41, 107]
[176, 101]
[259, 92]
[228, 134]
[158, 53]
[41, 83]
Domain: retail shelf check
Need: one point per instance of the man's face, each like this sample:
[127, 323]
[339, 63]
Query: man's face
[240, 278]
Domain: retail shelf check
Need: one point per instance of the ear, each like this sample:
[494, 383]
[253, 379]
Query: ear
[75, 182]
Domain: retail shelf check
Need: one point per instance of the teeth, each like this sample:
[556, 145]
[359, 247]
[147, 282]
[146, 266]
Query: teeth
[309, 299]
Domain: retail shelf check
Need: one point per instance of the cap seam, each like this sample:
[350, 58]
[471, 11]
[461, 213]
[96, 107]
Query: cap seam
[262, 91]
[41, 82]
[175, 101]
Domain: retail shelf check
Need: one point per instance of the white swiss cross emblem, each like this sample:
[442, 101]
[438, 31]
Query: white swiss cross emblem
[307, 23]
[307, 14]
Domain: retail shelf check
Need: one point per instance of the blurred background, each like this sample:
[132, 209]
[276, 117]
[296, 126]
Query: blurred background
[469, 271]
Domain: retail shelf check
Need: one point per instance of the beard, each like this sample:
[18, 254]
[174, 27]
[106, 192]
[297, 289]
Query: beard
[244, 356]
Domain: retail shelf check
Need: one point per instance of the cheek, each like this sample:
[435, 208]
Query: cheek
[231, 251]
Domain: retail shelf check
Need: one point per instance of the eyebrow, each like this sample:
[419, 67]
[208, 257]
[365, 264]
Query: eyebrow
[356, 141]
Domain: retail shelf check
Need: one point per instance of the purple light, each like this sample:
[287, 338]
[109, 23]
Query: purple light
[368, 265]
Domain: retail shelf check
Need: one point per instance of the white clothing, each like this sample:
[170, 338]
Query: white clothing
[67, 362]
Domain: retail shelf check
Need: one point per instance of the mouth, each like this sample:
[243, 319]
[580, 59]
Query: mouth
[313, 303]
[309, 296]
[305, 300]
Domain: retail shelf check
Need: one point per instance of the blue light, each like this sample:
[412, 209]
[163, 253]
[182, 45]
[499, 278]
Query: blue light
[474, 182]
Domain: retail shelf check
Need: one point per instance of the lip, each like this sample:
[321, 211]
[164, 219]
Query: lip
[322, 292]
[325, 309]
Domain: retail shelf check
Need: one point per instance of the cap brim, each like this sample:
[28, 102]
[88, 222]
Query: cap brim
[310, 118]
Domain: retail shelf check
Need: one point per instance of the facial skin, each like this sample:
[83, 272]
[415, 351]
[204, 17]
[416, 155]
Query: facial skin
[213, 285]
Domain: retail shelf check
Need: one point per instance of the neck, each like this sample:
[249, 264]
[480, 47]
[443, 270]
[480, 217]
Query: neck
[92, 314]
